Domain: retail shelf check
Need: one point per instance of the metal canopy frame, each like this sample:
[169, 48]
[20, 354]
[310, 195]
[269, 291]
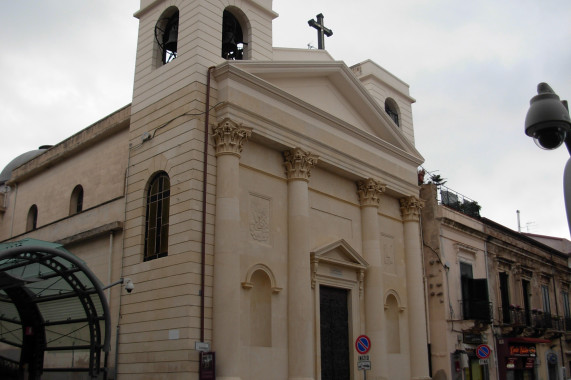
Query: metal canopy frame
[51, 302]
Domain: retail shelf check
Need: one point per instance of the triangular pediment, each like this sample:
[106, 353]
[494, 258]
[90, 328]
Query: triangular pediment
[331, 87]
[339, 253]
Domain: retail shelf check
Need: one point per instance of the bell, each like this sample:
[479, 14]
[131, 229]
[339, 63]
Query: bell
[171, 42]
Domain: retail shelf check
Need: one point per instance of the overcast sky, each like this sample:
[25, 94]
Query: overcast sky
[472, 67]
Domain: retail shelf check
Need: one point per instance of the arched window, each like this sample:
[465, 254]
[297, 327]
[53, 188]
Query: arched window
[157, 217]
[166, 35]
[32, 221]
[232, 37]
[76, 201]
[392, 110]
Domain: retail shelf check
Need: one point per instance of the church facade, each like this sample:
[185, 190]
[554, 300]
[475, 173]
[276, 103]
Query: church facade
[263, 201]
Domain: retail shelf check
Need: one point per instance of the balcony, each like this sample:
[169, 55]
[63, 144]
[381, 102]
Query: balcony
[518, 321]
[458, 202]
[477, 310]
[512, 316]
[540, 320]
[567, 321]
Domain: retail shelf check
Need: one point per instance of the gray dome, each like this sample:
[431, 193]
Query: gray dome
[19, 161]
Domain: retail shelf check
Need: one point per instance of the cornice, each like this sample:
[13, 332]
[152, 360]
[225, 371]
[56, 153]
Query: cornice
[323, 69]
[329, 157]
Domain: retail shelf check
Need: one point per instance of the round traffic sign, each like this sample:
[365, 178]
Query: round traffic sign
[363, 344]
[483, 351]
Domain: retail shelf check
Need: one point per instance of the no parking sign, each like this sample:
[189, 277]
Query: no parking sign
[483, 351]
[363, 344]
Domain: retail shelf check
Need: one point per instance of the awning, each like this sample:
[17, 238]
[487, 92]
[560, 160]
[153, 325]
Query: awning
[526, 340]
[50, 301]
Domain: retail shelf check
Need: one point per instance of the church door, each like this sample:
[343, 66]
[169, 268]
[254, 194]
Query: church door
[334, 333]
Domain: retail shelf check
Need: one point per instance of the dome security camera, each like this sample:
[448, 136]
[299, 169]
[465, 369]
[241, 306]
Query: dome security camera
[129, 286]
[547, 119]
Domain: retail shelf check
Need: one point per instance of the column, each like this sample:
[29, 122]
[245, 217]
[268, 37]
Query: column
[229, 138]
[301, 313]
[369, 191]
[410, 210]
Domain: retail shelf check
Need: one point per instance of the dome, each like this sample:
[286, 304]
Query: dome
[19, 161]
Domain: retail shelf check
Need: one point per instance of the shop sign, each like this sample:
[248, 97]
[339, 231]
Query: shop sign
[472, 338]
[529, 363]
[521, 350]
[511, 363]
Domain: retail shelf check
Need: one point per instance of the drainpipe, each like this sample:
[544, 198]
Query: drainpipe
[557, 309]
[493, 332]
[204, 189]
[14, 209]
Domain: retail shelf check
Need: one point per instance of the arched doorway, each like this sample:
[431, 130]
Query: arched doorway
[54, 317]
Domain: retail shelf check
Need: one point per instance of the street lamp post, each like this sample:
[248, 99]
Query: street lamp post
[548, 122]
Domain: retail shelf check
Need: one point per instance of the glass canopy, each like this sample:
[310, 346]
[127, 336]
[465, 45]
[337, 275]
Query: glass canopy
[52, 310]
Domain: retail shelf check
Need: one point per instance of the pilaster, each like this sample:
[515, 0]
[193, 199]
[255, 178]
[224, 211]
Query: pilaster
[410, 210]
[301, 313]
[229, 138]
[370, 191]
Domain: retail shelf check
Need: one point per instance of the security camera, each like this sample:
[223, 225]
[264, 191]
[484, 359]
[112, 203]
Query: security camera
[129, 286]
[547, 120]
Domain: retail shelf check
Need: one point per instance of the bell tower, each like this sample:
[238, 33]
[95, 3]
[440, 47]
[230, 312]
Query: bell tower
[179, 40]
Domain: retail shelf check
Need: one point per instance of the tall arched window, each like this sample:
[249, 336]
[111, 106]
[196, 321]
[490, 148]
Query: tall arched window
[32, 221]
[166, 35]
[76, 200]
[392, 110]
[157, 217]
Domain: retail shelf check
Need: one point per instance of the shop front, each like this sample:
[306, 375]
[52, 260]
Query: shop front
[517, 358]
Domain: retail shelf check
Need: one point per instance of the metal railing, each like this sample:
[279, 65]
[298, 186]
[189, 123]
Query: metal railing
[517, 316]
[458, 202]
[477, 310]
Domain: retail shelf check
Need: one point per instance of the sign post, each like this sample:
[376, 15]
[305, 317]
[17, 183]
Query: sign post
[363, 345]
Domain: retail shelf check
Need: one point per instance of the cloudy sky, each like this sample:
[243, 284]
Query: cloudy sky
[472, 67]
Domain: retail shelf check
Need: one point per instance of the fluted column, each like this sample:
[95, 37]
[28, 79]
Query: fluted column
[301, 314]
[410, 210]
[229, 138]
[369, 191]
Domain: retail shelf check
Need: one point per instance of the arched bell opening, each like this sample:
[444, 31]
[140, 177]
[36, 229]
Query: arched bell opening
[235, 31]
[166, 35]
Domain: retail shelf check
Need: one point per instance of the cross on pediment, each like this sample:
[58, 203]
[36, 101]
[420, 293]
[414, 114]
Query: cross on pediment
[322, 31]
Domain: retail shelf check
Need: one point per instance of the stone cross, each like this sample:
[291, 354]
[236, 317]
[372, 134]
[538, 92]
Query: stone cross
[322, 31]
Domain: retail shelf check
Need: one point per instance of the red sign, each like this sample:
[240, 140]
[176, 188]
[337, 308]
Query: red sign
[363, 344]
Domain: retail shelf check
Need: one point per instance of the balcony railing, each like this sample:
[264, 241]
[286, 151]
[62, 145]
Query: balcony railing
[458, 202]
[513, 316]
[476, 310]
[534, 319]
[567, 321]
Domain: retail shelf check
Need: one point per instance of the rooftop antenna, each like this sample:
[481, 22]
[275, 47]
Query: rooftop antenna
[518, 222]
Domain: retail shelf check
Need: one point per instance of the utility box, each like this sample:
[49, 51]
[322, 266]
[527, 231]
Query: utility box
[207, 366]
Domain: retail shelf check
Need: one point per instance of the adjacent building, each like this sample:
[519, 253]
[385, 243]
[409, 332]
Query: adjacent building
[498, 300]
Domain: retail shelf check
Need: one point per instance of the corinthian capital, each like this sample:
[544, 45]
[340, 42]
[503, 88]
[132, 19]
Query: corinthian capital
[410, 208]
[370, 191]
[229, 137]
[298, 163]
